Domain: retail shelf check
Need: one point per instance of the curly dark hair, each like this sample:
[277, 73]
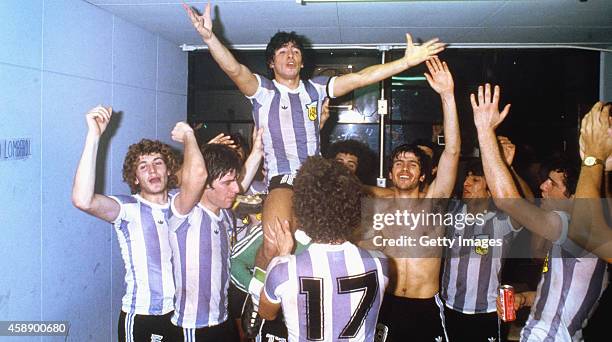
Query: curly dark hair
[327, 200]
[143, 148]
[424, 160]
[365, 156]
[220, 160]
[348, 146]
[280, 39]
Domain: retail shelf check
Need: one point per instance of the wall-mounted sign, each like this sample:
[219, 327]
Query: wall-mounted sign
[15, 148]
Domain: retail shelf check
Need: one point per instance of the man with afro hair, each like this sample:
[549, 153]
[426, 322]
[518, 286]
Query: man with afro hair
[333, 289]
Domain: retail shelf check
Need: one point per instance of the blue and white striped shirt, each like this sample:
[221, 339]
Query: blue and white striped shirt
[329, 292]
[567, 294]
[142, 231]
[290, 118]
[201, 251]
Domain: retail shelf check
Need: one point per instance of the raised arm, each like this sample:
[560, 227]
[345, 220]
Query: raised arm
[193, 171]
[83, 196]
[441, 80]
[414, 55]
[508, 151]
[588, 226]
[499, 179]
[249, 169]
[244, 79]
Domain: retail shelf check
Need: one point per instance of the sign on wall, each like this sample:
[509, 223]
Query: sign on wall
[15, 148]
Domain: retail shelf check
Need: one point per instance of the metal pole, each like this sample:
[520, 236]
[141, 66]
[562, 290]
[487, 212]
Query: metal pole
[381, 181]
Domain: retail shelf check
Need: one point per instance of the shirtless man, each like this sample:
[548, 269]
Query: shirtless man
[412, 307]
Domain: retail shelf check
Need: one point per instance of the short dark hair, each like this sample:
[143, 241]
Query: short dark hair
[327, 200]
[143, 148]
[220, 160]
[474, 166]
[280, 39]
[435, 149]
[424, 160]
[569, 171]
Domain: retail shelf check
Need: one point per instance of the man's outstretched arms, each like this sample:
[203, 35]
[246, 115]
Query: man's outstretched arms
[414, 55]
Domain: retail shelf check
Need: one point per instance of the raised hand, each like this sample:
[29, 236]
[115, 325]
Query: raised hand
[416, 55]
[222, 139]
[595, 138]
[180, 131]
[324, 113]
[202, 23]
[508, 149]
[486, 109]
[97, 119]
[439, 76]
[284, 238]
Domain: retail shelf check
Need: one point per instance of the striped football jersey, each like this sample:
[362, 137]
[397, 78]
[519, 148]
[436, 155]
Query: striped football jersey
[329, 292]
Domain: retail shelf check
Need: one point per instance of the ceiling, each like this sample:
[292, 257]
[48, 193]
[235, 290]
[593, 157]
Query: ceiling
[461, 22]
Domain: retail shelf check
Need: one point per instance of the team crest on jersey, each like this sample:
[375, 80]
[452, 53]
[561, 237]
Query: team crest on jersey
[483, 248]
[312, 110]
[156, 338]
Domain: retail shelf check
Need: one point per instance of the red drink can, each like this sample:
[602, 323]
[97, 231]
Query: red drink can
[506, 299]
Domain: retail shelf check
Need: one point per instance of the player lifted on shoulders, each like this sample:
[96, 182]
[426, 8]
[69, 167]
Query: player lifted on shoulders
[288, 107]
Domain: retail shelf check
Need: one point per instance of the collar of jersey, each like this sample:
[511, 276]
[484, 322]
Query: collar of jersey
[286, 89]
[329, 247]
[212, 215]
[301, 237]
[151, 204]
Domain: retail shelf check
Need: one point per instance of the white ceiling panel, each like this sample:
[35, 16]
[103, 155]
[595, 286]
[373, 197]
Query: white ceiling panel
[252, 22]
[397, 35]
[543, 13]
[417, 14]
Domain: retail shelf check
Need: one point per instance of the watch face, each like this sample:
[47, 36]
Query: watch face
[589, 161]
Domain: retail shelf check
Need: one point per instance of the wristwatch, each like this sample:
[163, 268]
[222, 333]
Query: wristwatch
[590, 161]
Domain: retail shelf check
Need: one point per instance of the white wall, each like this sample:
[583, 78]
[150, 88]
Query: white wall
[58, 59]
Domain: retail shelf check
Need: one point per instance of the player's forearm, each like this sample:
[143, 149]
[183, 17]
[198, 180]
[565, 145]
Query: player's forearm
[224, 58]
[587, 211]
[498, 177]
[249, 169]
[444, 183]
[505, 193]
[85, 176]
[242, 77]
[370, 75]
[193, 175]
[452, 139]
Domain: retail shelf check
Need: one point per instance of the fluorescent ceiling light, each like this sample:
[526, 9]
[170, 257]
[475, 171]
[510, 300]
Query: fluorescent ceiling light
[408, 78]
[307, 1]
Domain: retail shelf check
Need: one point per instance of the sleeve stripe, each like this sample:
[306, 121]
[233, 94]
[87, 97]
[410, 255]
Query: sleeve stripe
[247, 241]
